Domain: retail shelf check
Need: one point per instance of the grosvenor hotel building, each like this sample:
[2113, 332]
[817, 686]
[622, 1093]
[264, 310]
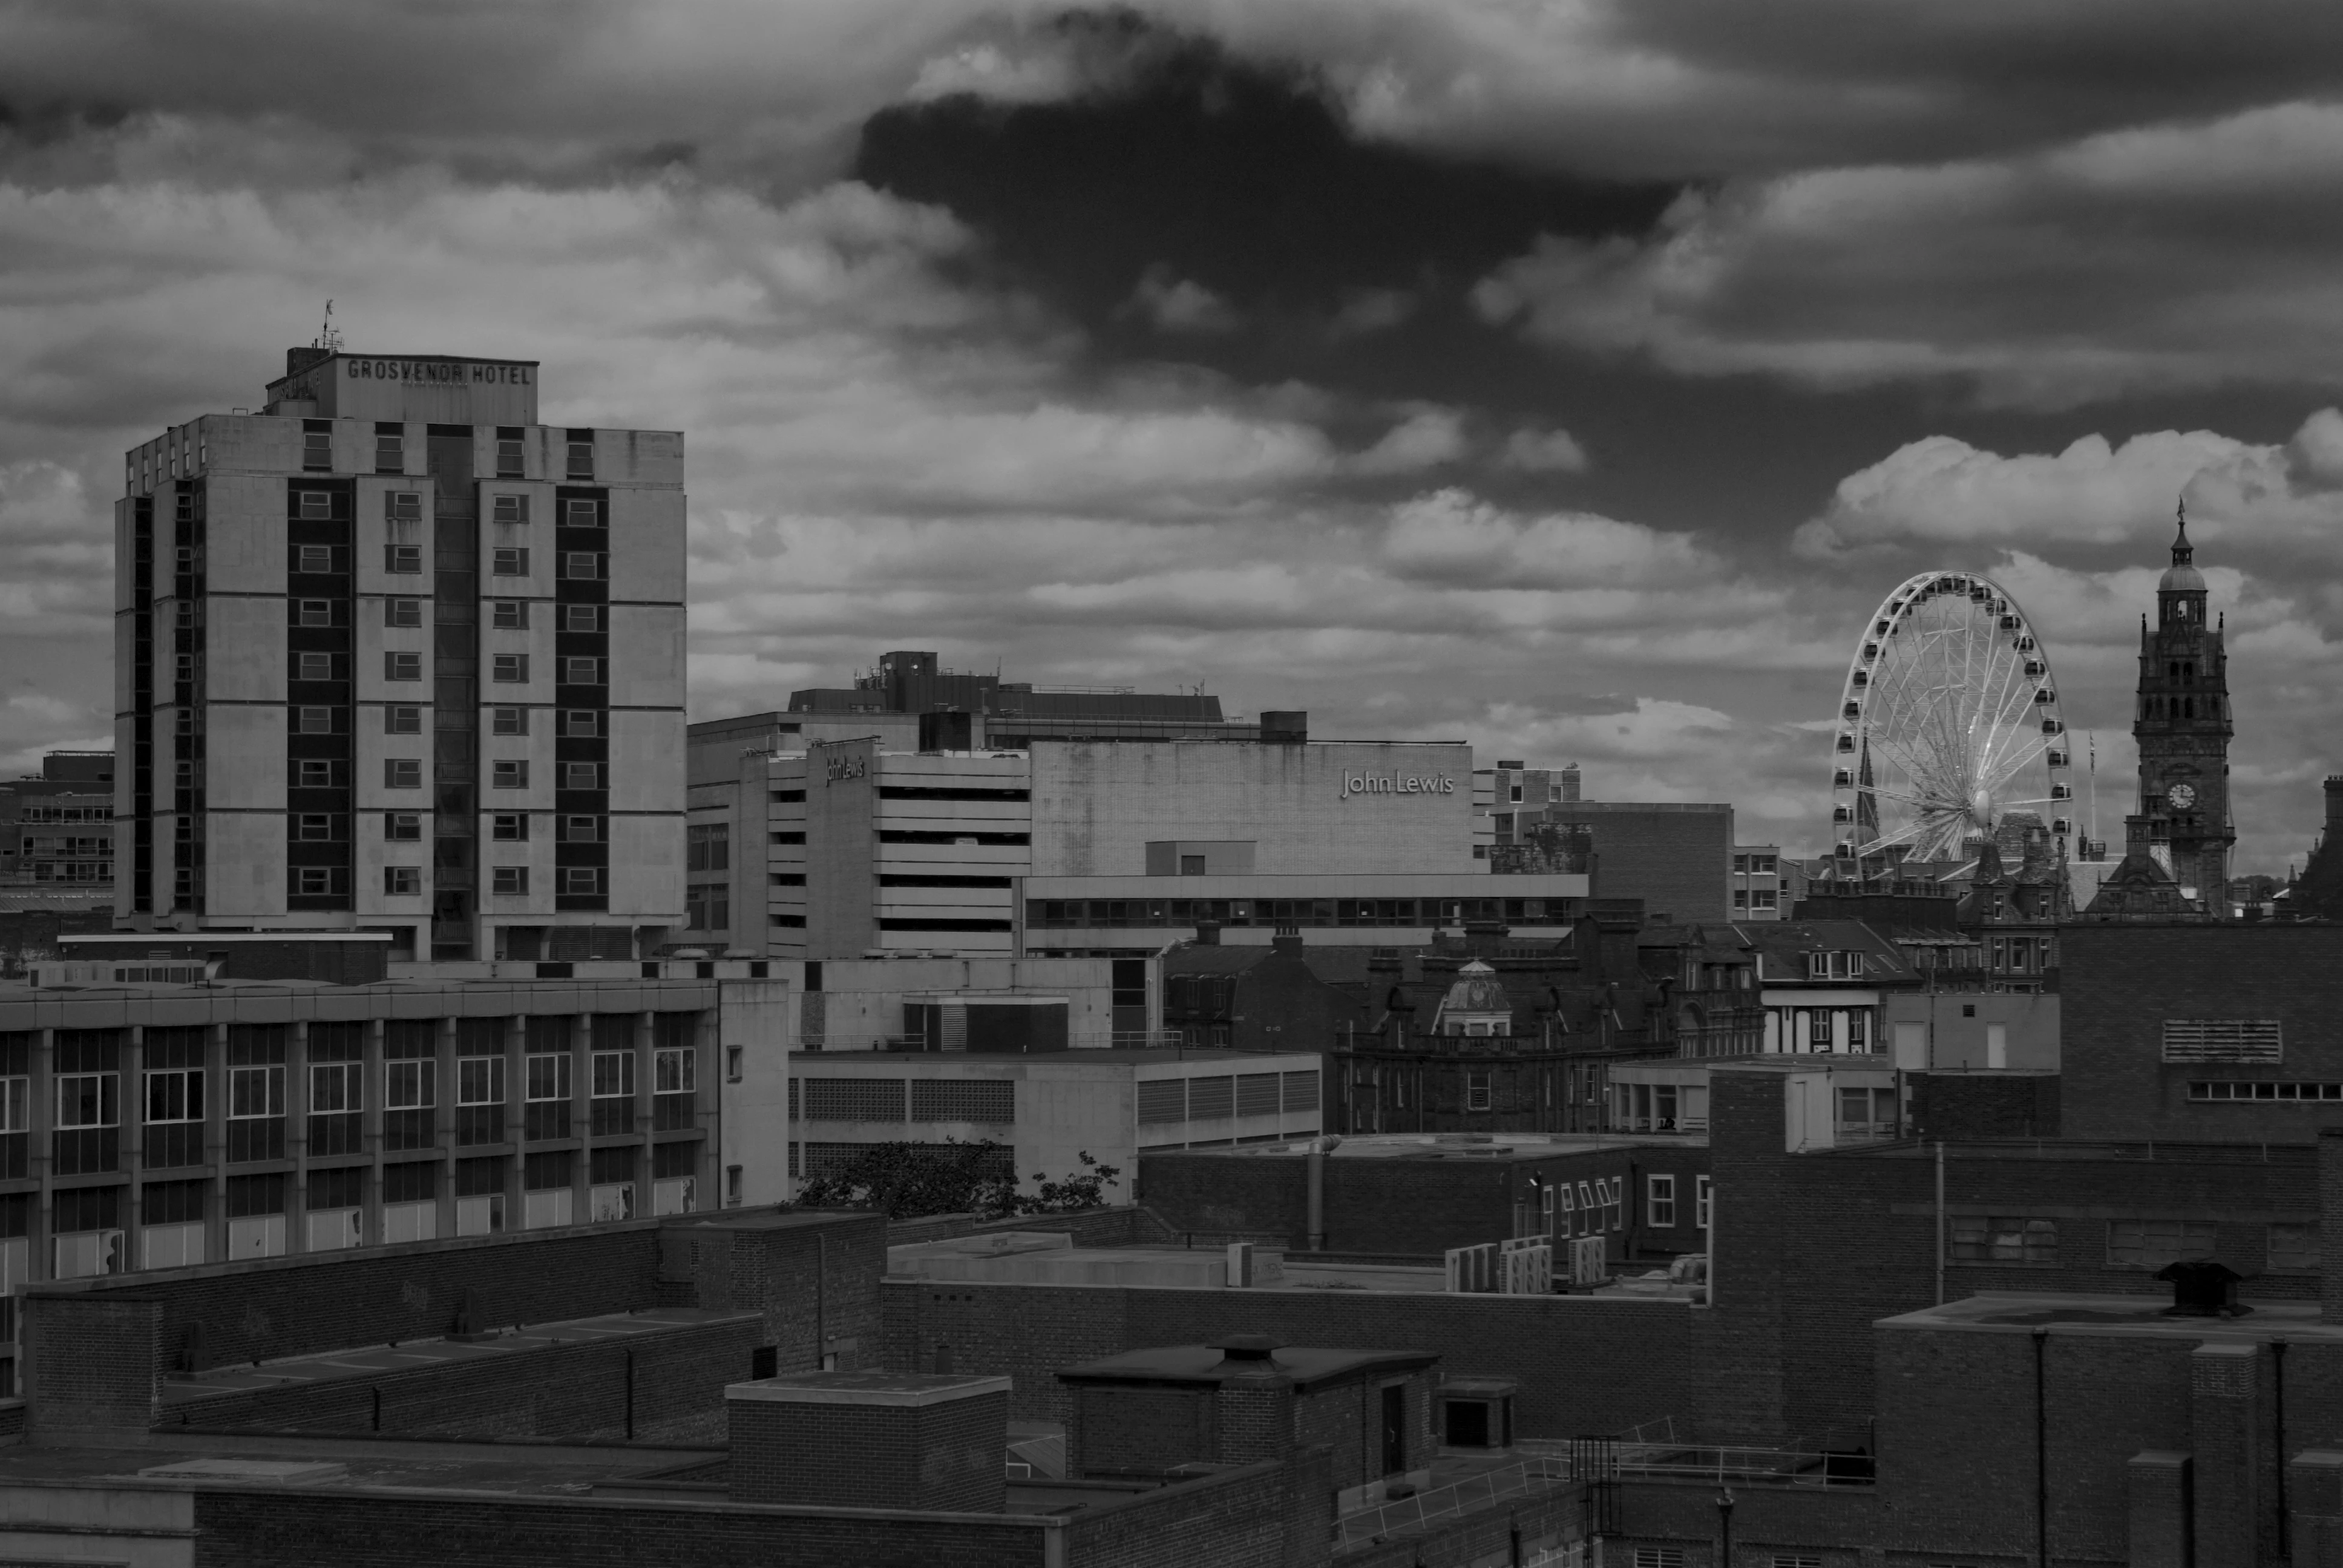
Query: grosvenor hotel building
[811, 847]
[392, 655]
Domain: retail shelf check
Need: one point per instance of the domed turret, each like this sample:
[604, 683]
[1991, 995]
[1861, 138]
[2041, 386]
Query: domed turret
[2182, 575]
[1475, 1004]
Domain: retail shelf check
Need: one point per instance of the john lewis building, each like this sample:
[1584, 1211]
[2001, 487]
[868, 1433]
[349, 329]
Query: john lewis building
[390, 654]
[1077, 846]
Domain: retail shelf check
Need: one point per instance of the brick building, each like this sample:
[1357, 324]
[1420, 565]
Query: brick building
[2182, 1031]
[1419, 1196]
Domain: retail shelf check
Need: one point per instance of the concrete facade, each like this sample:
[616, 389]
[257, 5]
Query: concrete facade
[1046, 1108]
[392, 654]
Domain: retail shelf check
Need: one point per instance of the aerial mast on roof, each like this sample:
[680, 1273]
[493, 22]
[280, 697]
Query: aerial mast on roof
[329, 338]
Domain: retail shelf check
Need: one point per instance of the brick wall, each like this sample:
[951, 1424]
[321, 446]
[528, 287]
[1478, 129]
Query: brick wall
[291, 1306]
[1955, 1106]
[815, 1279]
[1268, 1515]
[2119, 983]
[1587, 1366]
[283, 1528]
[661, 1386]
[94, 1360]
[949, 1456]
[1412, 1207]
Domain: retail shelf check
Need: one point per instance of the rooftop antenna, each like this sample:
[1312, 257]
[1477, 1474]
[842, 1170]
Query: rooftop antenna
[329, 338]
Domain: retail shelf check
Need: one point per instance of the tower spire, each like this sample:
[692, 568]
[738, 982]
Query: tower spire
[2182, 552]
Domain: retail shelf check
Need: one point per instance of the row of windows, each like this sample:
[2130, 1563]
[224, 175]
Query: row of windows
[176, 1095]
[2295, 1092]
[2293, 1246]
[308, 718]
[407, 773]
[406, 506]
[406, 827]
[404, 560]
[65, 814]
[401, 665]
[1292, 911]
[504, 614]
[406, 881]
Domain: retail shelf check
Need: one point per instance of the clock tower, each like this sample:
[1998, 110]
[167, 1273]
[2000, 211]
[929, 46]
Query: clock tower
[2182, 725]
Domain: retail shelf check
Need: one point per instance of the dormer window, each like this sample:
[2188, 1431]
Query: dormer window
[1835, 965]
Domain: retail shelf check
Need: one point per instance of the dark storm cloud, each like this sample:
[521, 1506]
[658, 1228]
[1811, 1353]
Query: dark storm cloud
[1180, 199]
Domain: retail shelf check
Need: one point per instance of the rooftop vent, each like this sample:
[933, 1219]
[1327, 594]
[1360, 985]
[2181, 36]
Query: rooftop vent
[2202, 1288]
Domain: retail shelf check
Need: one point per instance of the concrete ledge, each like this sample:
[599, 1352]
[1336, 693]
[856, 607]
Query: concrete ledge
[900, 1389]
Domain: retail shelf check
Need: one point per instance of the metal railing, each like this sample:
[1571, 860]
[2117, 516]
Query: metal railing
[1652, 1452]
[1541, 1473]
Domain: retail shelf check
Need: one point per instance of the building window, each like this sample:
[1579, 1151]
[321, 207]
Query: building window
[1818, 1029]
[509, 458]
[313, 721]
[509, 510]
[389, 451]
[313, 560]
[479, 1080]
[2266, 1090]
[581, 617]
[509, 721]
[509, 825]
[581, 881]
[402, 560]
[1740, 898]
[1858, 1029]
[581, 671]
[1700, 1201]
[506, 561]
[675, 1070]
[317, 449]
[614, 1074]
[402, 773]
[548, 1077]
[2004, 1238]
[335, 1087]
[314, 667]
[402, 612]
[581, 723]
[317, 826]
[509, 774]
[254, 1093]
[708, 846]
[732, 1185]
[2153, 1244]
[1763, 899]
[732, 1055]
[581, 566]
[1660, 1201]
[509, 614]
[311, 612]
[172, 1095]
[1476, 1091]
[88, 1100]
[509, 880]
[509, 667]
[402, 721]
[411, 1084]
[581, 829]
[402, 666]
[2294, 1247]
[310, 773]
[318, 881]
[707, 907]
[582, 460]
[581, 775]
[402, 881]
[406, 826]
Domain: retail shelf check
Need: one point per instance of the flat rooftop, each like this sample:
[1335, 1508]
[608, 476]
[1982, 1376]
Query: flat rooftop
[1496, 1146]
[515, 1469]
[182, 1393]
[799, 1060]
[2140, 1316]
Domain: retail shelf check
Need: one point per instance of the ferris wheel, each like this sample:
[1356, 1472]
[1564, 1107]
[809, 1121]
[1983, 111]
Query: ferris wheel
[1948, 723]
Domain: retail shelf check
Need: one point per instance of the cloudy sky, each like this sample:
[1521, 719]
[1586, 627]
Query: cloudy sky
[1567, 376]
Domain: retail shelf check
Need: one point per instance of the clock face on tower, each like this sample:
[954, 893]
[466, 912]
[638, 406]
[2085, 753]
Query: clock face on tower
[2182, 796]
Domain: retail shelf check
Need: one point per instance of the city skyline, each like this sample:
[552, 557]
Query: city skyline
[1573, 386]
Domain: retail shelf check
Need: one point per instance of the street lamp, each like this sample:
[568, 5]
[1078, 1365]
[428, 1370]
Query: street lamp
[1724, 1525]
